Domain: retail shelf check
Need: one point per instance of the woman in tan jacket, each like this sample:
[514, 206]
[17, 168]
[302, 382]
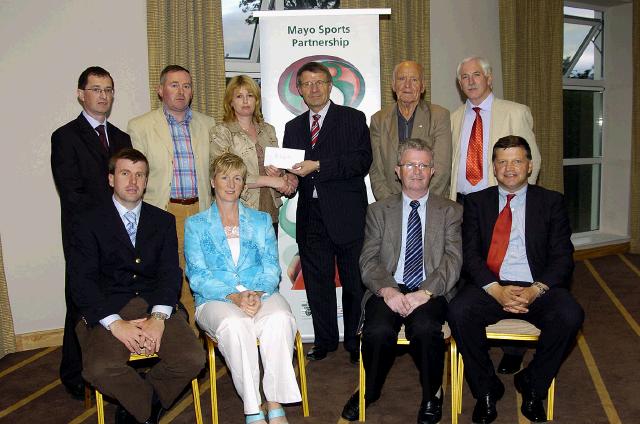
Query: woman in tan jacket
[244, 133]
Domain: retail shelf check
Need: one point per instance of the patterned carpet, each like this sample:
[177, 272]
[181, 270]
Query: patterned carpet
[599, 382]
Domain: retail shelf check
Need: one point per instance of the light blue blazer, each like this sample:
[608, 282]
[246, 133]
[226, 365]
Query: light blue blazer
[210, 268]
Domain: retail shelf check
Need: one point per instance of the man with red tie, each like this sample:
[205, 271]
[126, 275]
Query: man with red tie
[476, 126]
[518, 253]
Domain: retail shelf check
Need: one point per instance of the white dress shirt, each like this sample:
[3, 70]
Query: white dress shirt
[406, 210]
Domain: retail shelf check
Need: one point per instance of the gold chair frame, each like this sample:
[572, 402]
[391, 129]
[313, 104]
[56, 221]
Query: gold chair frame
[211, 345]
[402, 340]
[135, 357]
[504, 330]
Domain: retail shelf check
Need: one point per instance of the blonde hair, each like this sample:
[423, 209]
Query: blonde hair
[226, 163]
[235, 83]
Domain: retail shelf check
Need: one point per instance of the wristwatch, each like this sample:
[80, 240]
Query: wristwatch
[541, 288]
[159, 315]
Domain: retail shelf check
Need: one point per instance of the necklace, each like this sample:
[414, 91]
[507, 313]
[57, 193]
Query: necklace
[232, 231]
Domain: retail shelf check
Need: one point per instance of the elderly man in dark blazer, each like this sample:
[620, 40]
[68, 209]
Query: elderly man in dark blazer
[125, 280]
[80, 152]
[519, 257]
[332, 202]
[410, 264]
[409, 117]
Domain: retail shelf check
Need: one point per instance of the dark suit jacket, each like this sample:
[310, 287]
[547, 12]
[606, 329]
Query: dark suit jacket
[344, 151]
[80, 167]
[547, 236]
[106, 271]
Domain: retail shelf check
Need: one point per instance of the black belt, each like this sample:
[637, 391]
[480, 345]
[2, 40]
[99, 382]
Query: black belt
[189, 201]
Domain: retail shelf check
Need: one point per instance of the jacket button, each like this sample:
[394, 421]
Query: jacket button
[137, 293]
[135, 276]
[138, 260]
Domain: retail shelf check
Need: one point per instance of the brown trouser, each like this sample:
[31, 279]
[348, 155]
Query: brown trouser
[104, 360]
[181, 213]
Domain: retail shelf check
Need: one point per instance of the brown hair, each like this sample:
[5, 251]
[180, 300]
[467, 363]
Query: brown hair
[130, 154]
[235, 83]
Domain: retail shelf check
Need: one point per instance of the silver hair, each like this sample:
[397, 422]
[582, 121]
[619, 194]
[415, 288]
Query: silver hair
[416, 144]
[484, 64]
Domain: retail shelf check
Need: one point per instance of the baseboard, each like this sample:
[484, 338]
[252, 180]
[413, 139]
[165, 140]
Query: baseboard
[39, 339]
[596, 252]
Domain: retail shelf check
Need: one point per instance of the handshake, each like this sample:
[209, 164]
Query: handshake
[281, 181]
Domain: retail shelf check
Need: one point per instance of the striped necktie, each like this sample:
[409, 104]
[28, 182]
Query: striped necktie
[413, 257]
[315, 129]
[131, 226]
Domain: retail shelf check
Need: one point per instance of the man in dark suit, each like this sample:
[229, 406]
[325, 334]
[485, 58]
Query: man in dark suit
[125, 280]
[80, 152]
[332, 204]
[518, 253]
[410, 264]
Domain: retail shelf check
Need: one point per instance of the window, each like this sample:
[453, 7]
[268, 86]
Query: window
[242, 33]
[584, 88]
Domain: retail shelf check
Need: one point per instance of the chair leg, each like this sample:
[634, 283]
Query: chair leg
[460, 378]
[302, 370]
[99, 407]
[196, 400]
[87, 396]
[453, 353]
[211, 351]
[361, 402]
[550, 400]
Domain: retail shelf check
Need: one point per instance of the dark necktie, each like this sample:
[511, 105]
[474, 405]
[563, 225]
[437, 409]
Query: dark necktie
[103, 137]
[412, 276]
[474, 150]
[315, 129]
[500, 238]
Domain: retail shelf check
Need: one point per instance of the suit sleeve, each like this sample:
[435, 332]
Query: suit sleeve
[442, 152]
[357, 160]
[169, 274]
[202, 280]
[474, 259]
[64, 167]
[267, 281]
[374, 274]
[84, 274]
[528, 134]
[559, 249]
[376, 173]
[444, 278]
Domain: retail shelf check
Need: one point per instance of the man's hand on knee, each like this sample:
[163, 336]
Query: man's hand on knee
[130, 334]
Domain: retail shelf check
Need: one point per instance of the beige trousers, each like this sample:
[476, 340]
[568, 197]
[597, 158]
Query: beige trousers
[236, 332]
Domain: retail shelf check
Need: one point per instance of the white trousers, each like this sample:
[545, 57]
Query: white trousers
[236, 332]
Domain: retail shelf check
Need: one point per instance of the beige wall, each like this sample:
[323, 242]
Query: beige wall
[460, 29]
[45, 46]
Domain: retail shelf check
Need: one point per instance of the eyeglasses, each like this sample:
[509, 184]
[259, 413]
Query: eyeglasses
[420, 166]
[98, 91]
[316, 84]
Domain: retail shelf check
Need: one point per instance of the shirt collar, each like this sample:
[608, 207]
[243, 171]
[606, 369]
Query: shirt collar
[406, 200]
[519, 193]
[173, 121]
[322, 112]
[122, 210]
[92, 121]
[485, 105]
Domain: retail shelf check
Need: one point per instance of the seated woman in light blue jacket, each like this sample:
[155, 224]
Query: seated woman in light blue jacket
[233, 269]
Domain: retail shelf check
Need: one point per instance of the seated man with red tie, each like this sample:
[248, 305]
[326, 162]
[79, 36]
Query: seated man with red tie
[518, 253]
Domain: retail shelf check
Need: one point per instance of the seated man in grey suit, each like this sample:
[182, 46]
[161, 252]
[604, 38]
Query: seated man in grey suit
[125, 280]
[410, 263]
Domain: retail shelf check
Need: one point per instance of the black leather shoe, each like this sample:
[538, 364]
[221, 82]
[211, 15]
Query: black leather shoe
[75, 390]
[531, 407]
[351, 410]
[509, 364]
[485, 411]
[430, 412]
[354, 357]
[316, 354]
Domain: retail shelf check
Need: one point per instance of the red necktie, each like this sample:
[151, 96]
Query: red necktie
[500, 238]
[315, 129]
[474, 150]
[103, 137]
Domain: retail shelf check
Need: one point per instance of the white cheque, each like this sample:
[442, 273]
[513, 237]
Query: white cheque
[283, 158]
